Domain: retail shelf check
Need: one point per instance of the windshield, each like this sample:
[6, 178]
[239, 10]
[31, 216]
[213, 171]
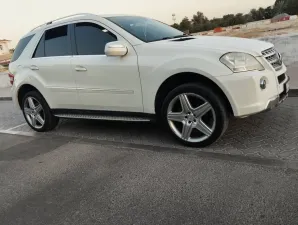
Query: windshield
[145, 29]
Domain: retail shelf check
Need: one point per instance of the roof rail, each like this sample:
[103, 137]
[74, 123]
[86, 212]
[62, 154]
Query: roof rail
[63, 18]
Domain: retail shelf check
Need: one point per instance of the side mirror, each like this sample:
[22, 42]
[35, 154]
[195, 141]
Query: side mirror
[115, 48]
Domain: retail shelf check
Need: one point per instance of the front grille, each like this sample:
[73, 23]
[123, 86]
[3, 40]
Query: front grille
[281, 78]
[274, 58]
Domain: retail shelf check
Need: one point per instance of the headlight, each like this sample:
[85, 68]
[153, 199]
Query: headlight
[241, 62]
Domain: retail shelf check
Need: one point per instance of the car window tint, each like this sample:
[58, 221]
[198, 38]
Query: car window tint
[56, 42]
[145, 29]
[39, 51]
[20, 47]
[91, 38]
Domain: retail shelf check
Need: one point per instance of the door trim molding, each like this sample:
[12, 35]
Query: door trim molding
[111, 91]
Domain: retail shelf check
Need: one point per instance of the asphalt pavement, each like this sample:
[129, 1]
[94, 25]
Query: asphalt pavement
[92, 172]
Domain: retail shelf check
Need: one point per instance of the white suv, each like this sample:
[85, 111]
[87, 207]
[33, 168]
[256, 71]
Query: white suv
[132, 68]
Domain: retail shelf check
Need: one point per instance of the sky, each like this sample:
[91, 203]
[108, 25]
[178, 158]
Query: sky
[17, 17]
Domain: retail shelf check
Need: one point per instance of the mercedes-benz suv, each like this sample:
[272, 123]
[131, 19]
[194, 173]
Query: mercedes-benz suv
[118, 67]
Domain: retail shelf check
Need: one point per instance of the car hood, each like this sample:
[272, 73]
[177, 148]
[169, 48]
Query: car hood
[225, 44]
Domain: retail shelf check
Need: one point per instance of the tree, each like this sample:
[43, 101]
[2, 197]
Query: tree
[239, 19]
[279, 6]
[254, 14]
[269, 13]
[200, 22]
[291, 7]
[176, 25]
[185, 24]
[261, 13]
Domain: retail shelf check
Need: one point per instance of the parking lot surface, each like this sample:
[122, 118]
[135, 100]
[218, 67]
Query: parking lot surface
[63, 180]
[95, 172]
[271, 135]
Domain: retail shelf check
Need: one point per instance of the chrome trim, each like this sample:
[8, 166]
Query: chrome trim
[111, 91]
[274, 58]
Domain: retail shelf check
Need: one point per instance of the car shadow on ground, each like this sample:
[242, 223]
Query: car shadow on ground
[271, 134]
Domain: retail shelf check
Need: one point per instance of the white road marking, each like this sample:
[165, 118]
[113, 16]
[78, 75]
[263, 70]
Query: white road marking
[12, 128]
[31, 134]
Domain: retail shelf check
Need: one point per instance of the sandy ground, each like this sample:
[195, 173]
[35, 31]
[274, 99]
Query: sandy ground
[273, 29]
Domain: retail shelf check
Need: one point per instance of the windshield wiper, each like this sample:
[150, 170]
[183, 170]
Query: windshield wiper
[177, 36]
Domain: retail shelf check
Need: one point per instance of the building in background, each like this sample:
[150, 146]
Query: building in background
[4, 48]
[5, 55]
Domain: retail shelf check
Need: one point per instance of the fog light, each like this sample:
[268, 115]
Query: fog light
[263, 83]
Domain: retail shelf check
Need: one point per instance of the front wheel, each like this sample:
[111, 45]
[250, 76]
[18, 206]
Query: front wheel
[195, 115]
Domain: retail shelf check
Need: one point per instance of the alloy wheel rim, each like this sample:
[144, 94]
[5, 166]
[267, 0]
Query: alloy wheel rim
[34, 112]
[191, 117]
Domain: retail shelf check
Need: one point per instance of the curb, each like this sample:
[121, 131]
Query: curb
[292, 93]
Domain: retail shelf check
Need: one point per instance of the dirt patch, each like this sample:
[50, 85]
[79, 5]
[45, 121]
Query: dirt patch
[263, 30]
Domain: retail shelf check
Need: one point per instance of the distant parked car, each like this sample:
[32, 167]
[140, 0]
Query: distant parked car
[132, 68]
[280, 18]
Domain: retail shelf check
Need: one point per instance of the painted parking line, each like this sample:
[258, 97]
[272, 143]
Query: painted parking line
[12, 128]
[31, 134]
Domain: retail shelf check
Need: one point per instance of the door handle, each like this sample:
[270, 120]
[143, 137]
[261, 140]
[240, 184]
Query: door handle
[33, 67]
[80, 68]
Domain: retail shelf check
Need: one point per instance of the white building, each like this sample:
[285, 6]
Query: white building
[4, 49]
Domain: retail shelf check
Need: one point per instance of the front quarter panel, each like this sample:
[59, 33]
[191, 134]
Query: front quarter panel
[157, 64]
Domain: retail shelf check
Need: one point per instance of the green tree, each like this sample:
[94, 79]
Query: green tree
[185, 24]
[200, 22]
[269, 12]
[261, 13]
[176, 25]
[239, 19]
[291, 7]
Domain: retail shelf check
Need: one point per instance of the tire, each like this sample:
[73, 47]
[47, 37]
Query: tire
[50, 121]
[203, 129]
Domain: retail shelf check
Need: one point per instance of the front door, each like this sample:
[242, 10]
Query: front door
[104, 83]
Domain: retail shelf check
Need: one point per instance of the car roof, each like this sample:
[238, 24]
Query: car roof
[70, 18]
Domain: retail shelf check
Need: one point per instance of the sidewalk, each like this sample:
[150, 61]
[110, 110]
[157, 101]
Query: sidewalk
[4, 87]
[5, 94]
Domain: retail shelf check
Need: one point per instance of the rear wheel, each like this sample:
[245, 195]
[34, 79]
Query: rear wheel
[37, 112]
[195, 115]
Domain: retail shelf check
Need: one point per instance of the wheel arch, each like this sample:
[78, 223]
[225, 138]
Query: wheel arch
[25, 88]
[188, 77]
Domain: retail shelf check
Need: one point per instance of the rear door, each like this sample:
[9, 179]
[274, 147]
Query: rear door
[51, 62]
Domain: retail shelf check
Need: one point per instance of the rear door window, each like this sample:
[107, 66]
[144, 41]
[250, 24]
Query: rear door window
[20, 47]
[57, 42]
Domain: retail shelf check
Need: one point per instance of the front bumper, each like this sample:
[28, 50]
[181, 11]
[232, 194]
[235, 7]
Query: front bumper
[247, 97]
[279, 99]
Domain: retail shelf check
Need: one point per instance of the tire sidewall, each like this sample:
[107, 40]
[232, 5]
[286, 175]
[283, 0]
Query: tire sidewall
[47, 112]
[213, 98]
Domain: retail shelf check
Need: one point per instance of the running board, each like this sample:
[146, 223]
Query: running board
[104, 117]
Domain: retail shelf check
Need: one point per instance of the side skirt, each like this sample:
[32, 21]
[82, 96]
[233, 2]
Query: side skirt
[103, 115]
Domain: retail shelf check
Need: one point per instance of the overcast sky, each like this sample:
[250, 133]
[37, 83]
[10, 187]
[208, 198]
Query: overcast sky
[19, 16]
